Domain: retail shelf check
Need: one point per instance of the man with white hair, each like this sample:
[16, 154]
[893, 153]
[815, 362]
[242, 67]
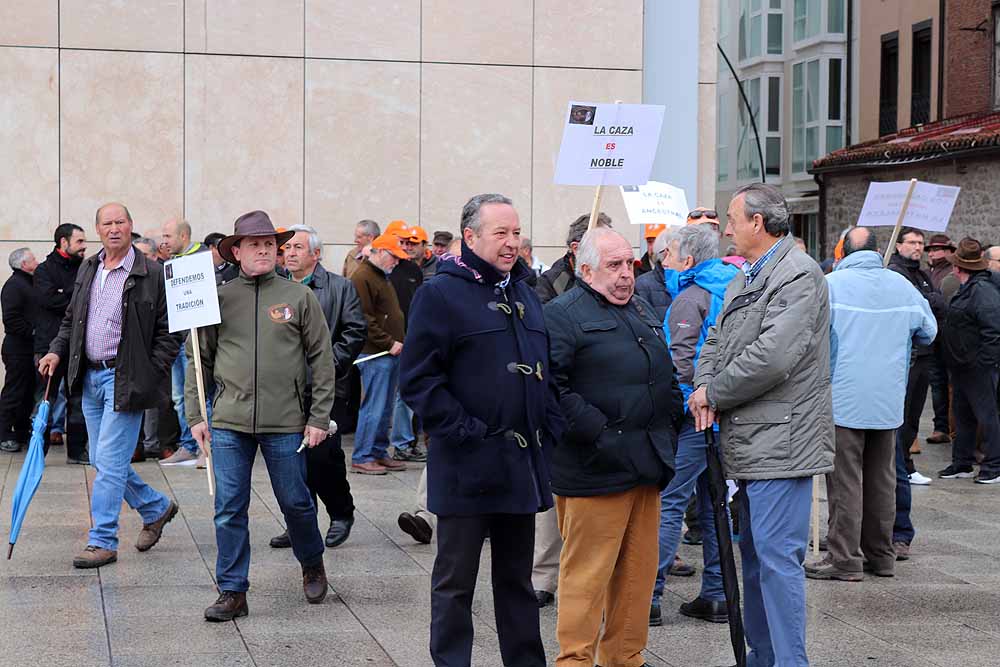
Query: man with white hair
[17, 397]
[364, 233]
[616, 455]
[326, 470]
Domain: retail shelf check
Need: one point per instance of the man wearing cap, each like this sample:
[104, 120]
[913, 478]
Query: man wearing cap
[939, 249]
[118, 349]
[379, 375]
[364, 233]
[415, 244]
[475, 368]
[648, 261]
[971, 337]
[271, 340]
[441, 242]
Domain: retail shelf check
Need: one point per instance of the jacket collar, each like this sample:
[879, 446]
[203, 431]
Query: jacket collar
[909, 264]
[761, 278]
[320, 278]
[862, 259]
[255, 280]
[471, 266]
[58, 258]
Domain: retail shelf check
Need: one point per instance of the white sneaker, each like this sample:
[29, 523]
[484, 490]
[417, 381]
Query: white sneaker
[181, 457]
[918, 479]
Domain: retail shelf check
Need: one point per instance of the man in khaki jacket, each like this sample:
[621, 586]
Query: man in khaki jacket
[272, 333]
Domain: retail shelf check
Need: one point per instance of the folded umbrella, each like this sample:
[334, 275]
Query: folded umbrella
[719, 495]
[31, 471]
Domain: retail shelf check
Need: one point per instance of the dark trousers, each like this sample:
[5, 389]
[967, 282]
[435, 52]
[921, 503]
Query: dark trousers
[939, 392]
[862, 494]
[17, 397]
[75, 428]
[975, 404]
[453, 583]
[326, 472]
[902, 529]
[916, 396]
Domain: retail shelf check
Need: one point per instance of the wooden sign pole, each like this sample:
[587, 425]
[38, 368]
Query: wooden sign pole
[891, 248]
[201, 404]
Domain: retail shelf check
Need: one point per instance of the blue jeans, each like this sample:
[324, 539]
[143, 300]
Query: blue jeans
[58, 415]
[902, 529]
[113, 436]
[178, 371]
[233, 454]
[378, 381]
[402, 437]
[773, 539]
[691, 464]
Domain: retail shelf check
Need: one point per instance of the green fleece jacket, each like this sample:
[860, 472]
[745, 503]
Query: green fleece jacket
[271, 330]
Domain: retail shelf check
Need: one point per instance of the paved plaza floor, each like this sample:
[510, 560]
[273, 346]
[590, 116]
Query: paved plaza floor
[942, 608]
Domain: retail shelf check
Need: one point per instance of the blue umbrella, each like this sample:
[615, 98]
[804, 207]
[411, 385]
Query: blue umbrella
[31, 470]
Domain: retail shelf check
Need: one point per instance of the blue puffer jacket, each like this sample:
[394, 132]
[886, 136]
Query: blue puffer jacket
[475, 368]
[875, 316]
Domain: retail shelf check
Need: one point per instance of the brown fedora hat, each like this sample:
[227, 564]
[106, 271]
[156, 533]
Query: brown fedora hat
[969, 256]
[940, 241]
[254, 223]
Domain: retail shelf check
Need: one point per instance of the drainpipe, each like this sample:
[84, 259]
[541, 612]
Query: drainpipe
[850, 73]
[940, 81]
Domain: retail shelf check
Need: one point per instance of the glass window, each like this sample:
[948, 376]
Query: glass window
[834, 138]
[812, 145]
[835, 16]
[775, 4]
[814, 18]
[774, 104]
[920, 89]
[888, 84]
[755, 35]
[807, 18]
[800, 20]
[722, 139]
[774, 34]
[772, 157]
[747, 157]
[798, 117]
[833, 92]
[743, 30]
[812, 91]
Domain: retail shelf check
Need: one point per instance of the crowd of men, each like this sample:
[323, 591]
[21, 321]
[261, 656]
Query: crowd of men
[562, 412]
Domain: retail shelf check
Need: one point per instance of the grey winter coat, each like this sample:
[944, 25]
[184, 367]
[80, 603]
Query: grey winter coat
[766, 364]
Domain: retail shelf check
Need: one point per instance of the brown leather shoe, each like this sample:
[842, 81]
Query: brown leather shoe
[230, 605]
[390, 465]
[94, 556]
[939, 438]
[150, 533]
[368, 468]
[314, 582]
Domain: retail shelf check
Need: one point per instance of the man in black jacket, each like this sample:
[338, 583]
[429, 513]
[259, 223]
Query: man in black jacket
[971, 337]
[117, 348]
[616, 455]
[326, 468]
[54, 280]
[17, 396]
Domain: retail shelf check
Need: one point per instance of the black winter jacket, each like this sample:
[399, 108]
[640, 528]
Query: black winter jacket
[147, 349]
[53, 289]
[18, 304]
[558, 279]
[910, 269]
[346, 319]
[405, 279]
[650, 286]
[618, 392]
[970, 331]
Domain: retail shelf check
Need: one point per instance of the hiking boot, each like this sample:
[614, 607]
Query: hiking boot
[826, 570]
[680, 568]
[939, 438]
[230, 605]
[314, 583]
[181, 457]
[956, 472]
[368, 468]
[902, 550]
[94, 556]
[151, 532]
[282, 541]
[416, 527]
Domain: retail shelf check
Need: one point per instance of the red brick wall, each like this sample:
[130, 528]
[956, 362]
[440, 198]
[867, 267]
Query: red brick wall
[968, 57]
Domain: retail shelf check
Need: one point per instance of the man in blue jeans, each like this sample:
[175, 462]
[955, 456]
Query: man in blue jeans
[696, 279]
[273, 337]
[118, 347]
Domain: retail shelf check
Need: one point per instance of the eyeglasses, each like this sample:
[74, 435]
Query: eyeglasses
[711, 215]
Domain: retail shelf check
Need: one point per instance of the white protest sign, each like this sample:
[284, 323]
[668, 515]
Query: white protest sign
[608, 144]
[930, 206]
[655, 203]
[192, 299]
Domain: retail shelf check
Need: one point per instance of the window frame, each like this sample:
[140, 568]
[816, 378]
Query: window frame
[822, 121]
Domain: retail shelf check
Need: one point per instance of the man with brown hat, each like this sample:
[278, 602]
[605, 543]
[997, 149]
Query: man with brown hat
[971, 336]
[939, 249]
[272, 338]
[379, 375]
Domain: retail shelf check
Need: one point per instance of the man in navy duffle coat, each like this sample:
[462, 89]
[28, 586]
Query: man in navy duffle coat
[475, 368]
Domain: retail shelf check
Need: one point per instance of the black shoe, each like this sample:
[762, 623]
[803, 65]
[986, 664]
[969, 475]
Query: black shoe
[987, 477]
[82, 461]
[282, 541]
[681, 569]
[544, 598]
[655, 616]
[692, 537]
[412, 453]
[338, 532]
[230, 605]
[956, 472]
[714, 612]
[415, 527]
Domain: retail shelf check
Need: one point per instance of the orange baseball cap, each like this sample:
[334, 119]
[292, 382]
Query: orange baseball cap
[418, 234]
[390, 242]
[652, 231]
[397, 228]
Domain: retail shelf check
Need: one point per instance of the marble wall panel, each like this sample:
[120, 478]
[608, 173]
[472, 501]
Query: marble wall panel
[243, 140]
[250, 27]
[592, 33]
[477, 32]
[362, 144]
[475, 138]
[113, 24]
[29, 134]
[29, 22]
[122, 135]
[556, 206]
[374, 29]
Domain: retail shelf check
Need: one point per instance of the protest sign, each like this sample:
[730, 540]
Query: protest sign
[655, 203]
[192, 302]
[929, 208]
